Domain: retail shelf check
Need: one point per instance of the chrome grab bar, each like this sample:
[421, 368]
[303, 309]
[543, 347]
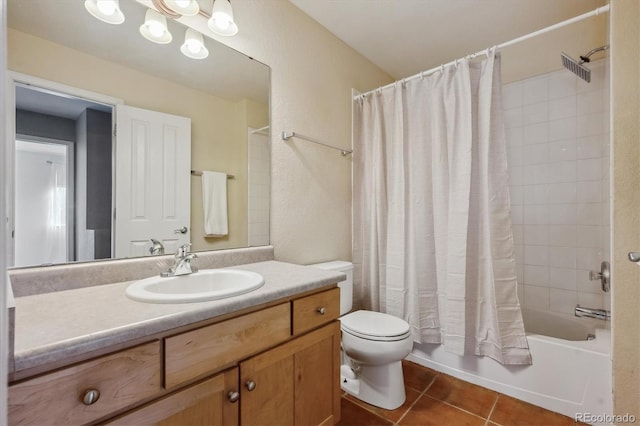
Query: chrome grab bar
[601, 314]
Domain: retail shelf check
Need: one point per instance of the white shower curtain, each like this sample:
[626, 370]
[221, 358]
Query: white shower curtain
[432, 228]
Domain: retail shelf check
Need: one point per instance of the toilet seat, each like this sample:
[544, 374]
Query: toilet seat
[375, 326]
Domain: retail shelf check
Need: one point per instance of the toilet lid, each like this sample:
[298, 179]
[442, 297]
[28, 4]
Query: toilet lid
[374, 325]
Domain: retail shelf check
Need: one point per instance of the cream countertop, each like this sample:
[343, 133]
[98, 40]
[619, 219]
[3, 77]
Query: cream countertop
[53, 326]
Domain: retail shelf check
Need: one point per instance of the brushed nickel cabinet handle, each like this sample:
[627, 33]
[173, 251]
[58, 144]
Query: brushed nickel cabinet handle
[251, 385]
[321, 310]
[90, 396]
[233, 396]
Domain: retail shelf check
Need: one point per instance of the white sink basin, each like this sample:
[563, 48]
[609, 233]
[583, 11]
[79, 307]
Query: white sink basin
[207, 284]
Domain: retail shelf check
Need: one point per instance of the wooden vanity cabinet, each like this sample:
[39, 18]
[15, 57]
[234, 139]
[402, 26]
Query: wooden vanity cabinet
[282, 368]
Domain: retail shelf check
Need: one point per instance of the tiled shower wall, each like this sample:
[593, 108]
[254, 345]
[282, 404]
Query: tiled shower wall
[557, 129]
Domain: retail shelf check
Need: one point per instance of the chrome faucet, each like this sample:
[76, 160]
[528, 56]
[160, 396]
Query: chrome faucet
[156, 247]
[602, 314]
[182, 265]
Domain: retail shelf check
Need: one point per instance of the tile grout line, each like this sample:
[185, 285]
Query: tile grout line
[457, 408]
[492, 408]
[417, 399]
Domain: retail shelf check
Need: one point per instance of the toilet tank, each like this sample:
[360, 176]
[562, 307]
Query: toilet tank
[346, 286]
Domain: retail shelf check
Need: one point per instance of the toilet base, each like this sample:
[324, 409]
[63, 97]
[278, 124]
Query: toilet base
[379, 385]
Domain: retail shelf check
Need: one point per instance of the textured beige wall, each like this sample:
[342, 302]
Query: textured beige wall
[312, 73]
[625, 79]
[218, 126]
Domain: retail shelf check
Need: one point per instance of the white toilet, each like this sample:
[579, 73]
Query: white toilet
[373, 345]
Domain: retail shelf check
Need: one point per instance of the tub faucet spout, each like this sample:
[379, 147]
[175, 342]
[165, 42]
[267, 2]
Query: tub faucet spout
[602, 314]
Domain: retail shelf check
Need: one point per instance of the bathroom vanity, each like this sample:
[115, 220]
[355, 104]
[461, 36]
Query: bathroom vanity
[267, 357]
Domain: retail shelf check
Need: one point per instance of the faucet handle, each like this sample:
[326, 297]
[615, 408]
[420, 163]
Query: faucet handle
[183, 250]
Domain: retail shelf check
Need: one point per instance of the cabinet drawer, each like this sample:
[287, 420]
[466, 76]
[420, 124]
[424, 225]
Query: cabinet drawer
[312, 311]
[122, 379]
[195, 353]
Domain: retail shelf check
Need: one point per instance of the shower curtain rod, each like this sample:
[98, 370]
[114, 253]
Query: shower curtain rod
[595, 12]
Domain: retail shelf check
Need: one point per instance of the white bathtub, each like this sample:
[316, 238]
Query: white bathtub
[569, 374]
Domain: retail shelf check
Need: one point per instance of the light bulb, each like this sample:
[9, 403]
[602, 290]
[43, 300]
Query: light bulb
[105, 10]
[106, 7]
[156, 29]
[193, 46]
[222, 21]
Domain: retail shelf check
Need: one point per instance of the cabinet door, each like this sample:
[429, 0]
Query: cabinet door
[205, 403]
[295, 383]
[317, 377]
[266, 383]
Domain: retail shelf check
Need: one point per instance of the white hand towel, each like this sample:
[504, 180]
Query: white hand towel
[214, 202]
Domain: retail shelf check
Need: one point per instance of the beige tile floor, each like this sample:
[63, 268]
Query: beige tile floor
[437, 399]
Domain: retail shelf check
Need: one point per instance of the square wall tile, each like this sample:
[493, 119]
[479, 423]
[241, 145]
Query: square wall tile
[513, 135]
[590, 300]
[536, 297]
[562, 301]
[535, 113]
[562, 84]
[589, 236]
[562, 235]
[536, 215]
[535, 133]
[561, 193]
[536, 255]
[563, 150]
[562, 214]
[562, 278]
[562, 171]
[563, 257]
[590, 147]
[589, 192]
[512, 96]
[535, 194]
[590, 102]
[535, 154]
[589, 125]
[562, 108]
[536, 235]
[536, 275]
[536, 89]
[565, 128]
[513, 117]
[590, 169]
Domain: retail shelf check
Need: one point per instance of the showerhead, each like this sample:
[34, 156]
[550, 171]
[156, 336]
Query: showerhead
[577, 67]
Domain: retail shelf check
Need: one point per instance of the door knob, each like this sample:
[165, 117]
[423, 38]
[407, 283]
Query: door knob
[182, 230]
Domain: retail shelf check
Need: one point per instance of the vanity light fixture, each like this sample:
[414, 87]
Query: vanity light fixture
[221, 21]
[105, 10]
[155, 28]
[193, 46]
[183, 7]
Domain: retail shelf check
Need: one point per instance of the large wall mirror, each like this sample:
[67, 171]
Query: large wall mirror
[111, 133]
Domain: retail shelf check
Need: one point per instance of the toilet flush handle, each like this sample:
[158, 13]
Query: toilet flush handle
[321, 310]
